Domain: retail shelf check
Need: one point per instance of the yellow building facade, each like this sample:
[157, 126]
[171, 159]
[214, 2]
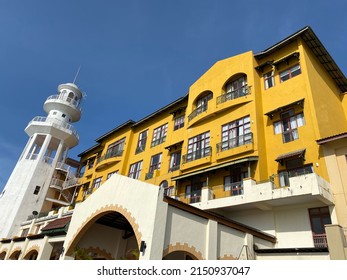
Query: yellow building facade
[250, 118]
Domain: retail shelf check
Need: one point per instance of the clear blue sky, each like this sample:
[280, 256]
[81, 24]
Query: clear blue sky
[136, 56]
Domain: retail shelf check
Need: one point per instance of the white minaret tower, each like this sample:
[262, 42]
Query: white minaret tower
[42, 179]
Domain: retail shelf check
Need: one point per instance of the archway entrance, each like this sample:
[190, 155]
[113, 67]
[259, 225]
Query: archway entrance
[179, 255]
[107, 236]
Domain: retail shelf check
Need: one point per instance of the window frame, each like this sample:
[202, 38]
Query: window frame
[141, 142]
[135, 170]
[175, 161]
[198, 146]
[97, 182]
[269, 76]
[159, 135]
[116, 148]
[155, 162]
[236, 88]
[290, 72]
[288, 125]
[236, 133]
[179, 122]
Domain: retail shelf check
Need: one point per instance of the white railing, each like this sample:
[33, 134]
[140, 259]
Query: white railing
[320, 240]
[75, 103]
[56, 123]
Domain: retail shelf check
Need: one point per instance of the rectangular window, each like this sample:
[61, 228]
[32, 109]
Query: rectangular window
[159, 135]
[236, 133]
[198, 147]
[97, 182]
[37, 190]
[288, 125]
[269, 80]
[155, 163]
[175, 161]
[290, 73]
[141, 143]
[135, 170]
[179, 122]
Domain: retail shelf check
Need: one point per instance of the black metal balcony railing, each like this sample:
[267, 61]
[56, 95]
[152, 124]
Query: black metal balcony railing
[197, 154]
[197, 112]
[242, 91]
[116, 153]
[174, 168]
[149, 175]
[235, 142]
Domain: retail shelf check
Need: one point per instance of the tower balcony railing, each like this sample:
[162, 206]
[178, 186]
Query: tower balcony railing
[71, 101]
[56, 123]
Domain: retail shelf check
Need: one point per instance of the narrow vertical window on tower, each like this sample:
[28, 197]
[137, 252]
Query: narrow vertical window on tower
[37, 190]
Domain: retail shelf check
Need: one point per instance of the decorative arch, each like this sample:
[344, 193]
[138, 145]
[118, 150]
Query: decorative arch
[35, 249]
[190, 250]
[234, 77]
[3, 254]
[206, 95]
[15, 254]
[227, 257]
[95, 216]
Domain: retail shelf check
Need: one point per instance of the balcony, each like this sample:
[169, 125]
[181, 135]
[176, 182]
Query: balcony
[198, 157]
[320, 240]
[197, 112]
[233, 98]
[242, 91]
[64, 104]
[58, 128]
[306, 188]
[235, 146]
[108, 159]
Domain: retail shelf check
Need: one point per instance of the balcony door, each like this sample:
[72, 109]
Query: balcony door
[318, 218]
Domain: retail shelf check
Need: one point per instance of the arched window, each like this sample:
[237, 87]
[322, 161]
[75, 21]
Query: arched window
[200, 104]
[236, 87]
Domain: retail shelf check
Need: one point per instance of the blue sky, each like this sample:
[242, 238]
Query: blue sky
[136, 56]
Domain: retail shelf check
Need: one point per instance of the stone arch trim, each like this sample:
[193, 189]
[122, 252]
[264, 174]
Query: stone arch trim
[30, 250]
[97, 214]
[3, 253]
[183, 247]
[16, 249]
[227, 257]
